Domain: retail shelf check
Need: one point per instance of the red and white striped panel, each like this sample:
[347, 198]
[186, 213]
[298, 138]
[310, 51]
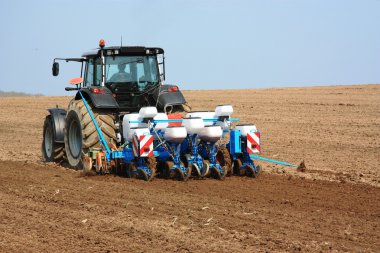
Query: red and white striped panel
[253, 142]
[142, 146]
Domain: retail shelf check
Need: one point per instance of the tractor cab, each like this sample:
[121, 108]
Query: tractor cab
[127, 78]
[132, 74]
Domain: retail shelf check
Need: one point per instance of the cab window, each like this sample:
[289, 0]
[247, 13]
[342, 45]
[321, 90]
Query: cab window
[93, 75]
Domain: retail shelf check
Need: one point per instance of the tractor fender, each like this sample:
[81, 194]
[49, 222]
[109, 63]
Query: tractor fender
[99, 100]
[58, 115]
[170, 98]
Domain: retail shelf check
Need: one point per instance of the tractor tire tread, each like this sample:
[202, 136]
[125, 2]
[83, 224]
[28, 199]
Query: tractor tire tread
[90, 139]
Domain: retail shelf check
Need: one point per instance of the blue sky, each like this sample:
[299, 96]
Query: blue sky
[209, 44]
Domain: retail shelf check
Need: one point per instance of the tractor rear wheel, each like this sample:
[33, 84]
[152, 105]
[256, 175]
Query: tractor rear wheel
[80, 133]
[51, 150]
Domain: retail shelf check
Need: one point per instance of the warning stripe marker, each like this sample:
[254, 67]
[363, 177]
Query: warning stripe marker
[253, 142]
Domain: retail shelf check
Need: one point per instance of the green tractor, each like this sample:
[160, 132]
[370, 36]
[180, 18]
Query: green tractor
[114, 81]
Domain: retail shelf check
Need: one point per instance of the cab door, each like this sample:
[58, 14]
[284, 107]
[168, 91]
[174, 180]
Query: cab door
[93, 73]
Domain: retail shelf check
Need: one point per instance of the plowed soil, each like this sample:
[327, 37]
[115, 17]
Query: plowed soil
[334, 206]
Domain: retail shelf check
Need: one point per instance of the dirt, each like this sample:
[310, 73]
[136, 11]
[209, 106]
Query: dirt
[334, 206]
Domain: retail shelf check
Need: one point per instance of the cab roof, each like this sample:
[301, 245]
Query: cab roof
[109, 51]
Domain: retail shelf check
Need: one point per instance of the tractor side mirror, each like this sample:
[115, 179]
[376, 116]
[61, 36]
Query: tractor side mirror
[55, 69]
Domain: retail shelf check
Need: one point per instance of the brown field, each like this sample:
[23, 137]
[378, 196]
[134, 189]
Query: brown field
[333, 206]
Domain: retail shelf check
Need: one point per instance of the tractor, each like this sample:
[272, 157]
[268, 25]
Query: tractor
[116, 81]
[124, 118]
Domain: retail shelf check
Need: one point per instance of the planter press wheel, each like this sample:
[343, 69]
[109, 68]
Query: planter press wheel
[120, 168]
[150, 162]
[236, 169]
[216, 173]
[196, 171]
[224, 159]
[181, 176]
[251, 172]
[177, 173]
[206, 169]
[190, 168]
[131, 170]
[165, 169]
